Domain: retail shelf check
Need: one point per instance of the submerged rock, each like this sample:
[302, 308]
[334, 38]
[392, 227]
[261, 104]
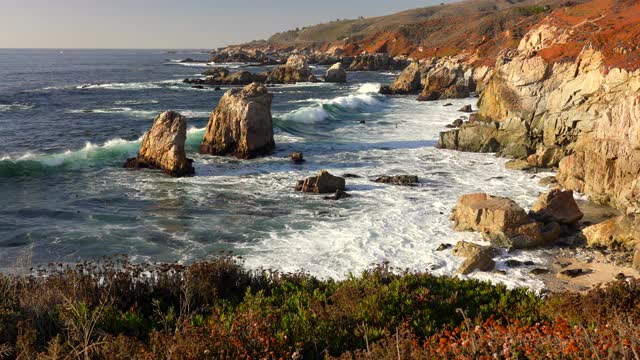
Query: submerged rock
[297, 157]
[163, 146]
[241, 125]
[336, 74]
[466, 109]
[339, 195]
[324, 183]
[402, 180]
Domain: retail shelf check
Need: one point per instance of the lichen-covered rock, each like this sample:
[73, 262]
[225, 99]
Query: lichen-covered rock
[324, 183]
[500, 220]
[163, 146]
[241, 125]
[557, 205]
[295, 70]
[336, 74]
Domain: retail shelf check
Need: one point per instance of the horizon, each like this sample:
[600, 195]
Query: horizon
[92, 25]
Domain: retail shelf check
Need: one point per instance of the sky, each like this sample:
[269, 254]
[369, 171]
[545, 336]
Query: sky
[163, 24]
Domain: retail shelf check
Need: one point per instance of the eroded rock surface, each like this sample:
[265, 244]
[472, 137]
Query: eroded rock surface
[324, 183]
[163, 146]
[241, 125]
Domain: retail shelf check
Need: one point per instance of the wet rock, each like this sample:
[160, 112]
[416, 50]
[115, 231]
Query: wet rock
[573, 273]
[197, 87]
[339, 195]
[336, 74]
[324, 183]
[515, 263]
[403, 180]
[466, 109]
[241, 125]
[351, 176]
[297, 157]
[313, 79]
[218, 72]
[443, 247]
[457, 123]
[517, 164]
[539, 271]
[477, 257]
[548, 181]
[500, 220]
[163, 146]
[447, 104]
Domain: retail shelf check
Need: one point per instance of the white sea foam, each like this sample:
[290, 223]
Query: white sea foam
[120, 110]
[135, 102]
[121, 86]
[15, 107]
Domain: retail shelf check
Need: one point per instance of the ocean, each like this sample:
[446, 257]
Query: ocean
[69, 119]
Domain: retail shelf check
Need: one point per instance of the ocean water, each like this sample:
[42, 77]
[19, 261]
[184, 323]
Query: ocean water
[69, 119]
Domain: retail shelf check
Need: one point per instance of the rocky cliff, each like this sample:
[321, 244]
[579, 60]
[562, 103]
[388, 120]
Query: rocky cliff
[573, 84]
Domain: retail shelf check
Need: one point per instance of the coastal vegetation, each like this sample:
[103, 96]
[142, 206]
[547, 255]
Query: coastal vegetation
[217, 309]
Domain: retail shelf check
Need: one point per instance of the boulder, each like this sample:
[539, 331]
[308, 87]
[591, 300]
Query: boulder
[297, 157]
[216, 72]
[336, 74]
[403, 180]
[466, 109]
[241, 125]
[557, 206]
[295, 70]
[619, 233]
[518, 164]
[477, 257]
[163, 146]
[500, 220]
[324, 183]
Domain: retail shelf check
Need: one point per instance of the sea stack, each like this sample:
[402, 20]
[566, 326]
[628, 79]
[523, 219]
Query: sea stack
[336, 74]
[163, 146]
[241, 125]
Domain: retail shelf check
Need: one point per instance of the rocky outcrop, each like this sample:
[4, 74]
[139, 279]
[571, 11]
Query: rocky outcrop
[557, 206]
[501, 221]
[440, 78]
[295, 70]
[402, 180]
[336, 74]
[221, 78]
[324, 183]
[619, 233]
[563, 97]
[409, 81]
[378, 62]
[241, 125]
[297, 157]
[163, 146]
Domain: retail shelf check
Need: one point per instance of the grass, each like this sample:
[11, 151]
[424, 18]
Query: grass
[220, 310]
